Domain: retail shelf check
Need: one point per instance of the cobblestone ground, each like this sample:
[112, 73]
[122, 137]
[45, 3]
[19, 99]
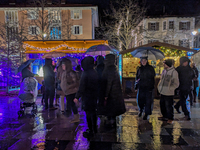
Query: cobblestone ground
[51, 130]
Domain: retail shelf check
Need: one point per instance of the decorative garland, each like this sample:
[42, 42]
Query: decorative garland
[50, 49]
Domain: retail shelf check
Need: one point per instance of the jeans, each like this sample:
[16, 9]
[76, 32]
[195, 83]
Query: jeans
[70, 101]
[145, 100]
[182, 102]
[167, 106]
[49, 94]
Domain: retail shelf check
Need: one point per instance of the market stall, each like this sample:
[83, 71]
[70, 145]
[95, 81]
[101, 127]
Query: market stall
[131, 64]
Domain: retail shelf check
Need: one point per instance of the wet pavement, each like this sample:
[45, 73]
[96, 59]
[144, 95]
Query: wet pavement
[51, 130]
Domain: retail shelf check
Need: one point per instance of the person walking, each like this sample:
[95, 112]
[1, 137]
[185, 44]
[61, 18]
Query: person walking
[88, 91]
[186, 74]
[195, 82]
[49, 82]
[145, 80]
[113, 98]
[69, 85]
[168, 83]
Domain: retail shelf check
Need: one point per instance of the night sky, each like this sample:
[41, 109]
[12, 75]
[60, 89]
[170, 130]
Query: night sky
[154, 7]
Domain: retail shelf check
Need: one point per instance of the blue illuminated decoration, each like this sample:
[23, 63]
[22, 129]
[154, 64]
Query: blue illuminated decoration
[120, 67]
[190, 53]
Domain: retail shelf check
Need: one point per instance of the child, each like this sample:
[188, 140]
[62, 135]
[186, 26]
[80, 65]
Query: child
[88, 91]
[43, 92]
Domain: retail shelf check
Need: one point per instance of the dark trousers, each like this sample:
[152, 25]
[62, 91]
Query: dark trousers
[191, 95]
[71, 104]
[49, 94]
[43, 97]
[167, 106]
[91, 117]
[182, 102]
[145, 100]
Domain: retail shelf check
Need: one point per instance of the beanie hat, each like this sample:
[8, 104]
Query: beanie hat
[184, 59]
[144, 58]
[169, 62]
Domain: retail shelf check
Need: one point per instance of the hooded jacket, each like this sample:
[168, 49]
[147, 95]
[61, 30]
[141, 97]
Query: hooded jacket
[168, 82]
[88, 85]
[70, 79]
[49, 75]
[112, 88]
[146, 75]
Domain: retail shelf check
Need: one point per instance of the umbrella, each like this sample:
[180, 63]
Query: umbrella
[53, 54]
[150, 52]
[101, 50]
[25, 64]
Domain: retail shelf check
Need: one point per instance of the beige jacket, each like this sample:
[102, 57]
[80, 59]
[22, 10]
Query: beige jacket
[169, 81]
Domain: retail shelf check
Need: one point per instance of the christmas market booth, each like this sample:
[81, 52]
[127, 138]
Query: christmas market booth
[72, 48]
[131, 64]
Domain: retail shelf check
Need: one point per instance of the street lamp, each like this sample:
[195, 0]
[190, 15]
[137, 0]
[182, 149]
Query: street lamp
[44, 35]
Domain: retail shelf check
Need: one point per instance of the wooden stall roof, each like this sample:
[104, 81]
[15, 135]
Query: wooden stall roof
[65, 46]
[159, 44]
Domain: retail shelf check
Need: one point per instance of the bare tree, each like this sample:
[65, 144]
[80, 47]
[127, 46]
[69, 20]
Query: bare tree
[123, 16]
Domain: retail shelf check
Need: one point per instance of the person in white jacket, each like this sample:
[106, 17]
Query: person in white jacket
[169, 81]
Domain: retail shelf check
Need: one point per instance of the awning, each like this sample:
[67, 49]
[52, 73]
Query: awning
[65, 46]
[154, 44]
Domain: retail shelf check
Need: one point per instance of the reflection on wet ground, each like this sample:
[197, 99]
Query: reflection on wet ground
[51, 130]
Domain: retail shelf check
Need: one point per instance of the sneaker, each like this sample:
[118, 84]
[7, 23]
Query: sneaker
[177, 109]
[170, 121]
[53, 108]
[162, 118]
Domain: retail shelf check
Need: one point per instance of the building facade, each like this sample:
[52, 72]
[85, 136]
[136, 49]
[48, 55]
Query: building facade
[172, 30]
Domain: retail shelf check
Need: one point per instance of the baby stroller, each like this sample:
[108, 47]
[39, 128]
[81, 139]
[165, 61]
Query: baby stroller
[28, 95]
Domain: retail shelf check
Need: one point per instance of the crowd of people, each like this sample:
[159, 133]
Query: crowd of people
[182, 80]
[97, 86]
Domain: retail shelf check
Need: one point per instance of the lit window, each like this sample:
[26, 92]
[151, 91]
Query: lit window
[76, 14]
[55, 33]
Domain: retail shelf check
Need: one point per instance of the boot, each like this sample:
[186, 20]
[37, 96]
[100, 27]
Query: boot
[76, 118]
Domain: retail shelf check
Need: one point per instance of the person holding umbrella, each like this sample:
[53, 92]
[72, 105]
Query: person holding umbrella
[28, 88]
[145, 80]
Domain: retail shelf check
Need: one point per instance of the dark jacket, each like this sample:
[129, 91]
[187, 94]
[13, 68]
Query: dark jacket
[146, 76]
[26, 73]
[112, 88]
[88, 85]
[49, 75]
[195, 79]
[185, 74]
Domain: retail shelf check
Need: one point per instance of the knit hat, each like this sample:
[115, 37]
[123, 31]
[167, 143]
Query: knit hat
[169, 62]
[184, 59]
[144, 58]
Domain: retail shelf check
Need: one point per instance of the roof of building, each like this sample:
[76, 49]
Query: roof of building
[154, 44]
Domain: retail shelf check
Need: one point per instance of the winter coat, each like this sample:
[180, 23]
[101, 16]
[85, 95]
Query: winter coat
[112, 88]
[146, 76]
[49, 75]
[88, 88]
[58, 78]
[69, 79]
[28, 90]
[168, 82]
[185, 74]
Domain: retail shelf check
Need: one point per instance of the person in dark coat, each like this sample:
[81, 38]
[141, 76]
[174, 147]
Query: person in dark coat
[145, 79]
[99, 68]
[195, 82]
[113, 97]
[88, 92]
[78, 69]
[186, 74]
[43, 92]
[49, 82]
